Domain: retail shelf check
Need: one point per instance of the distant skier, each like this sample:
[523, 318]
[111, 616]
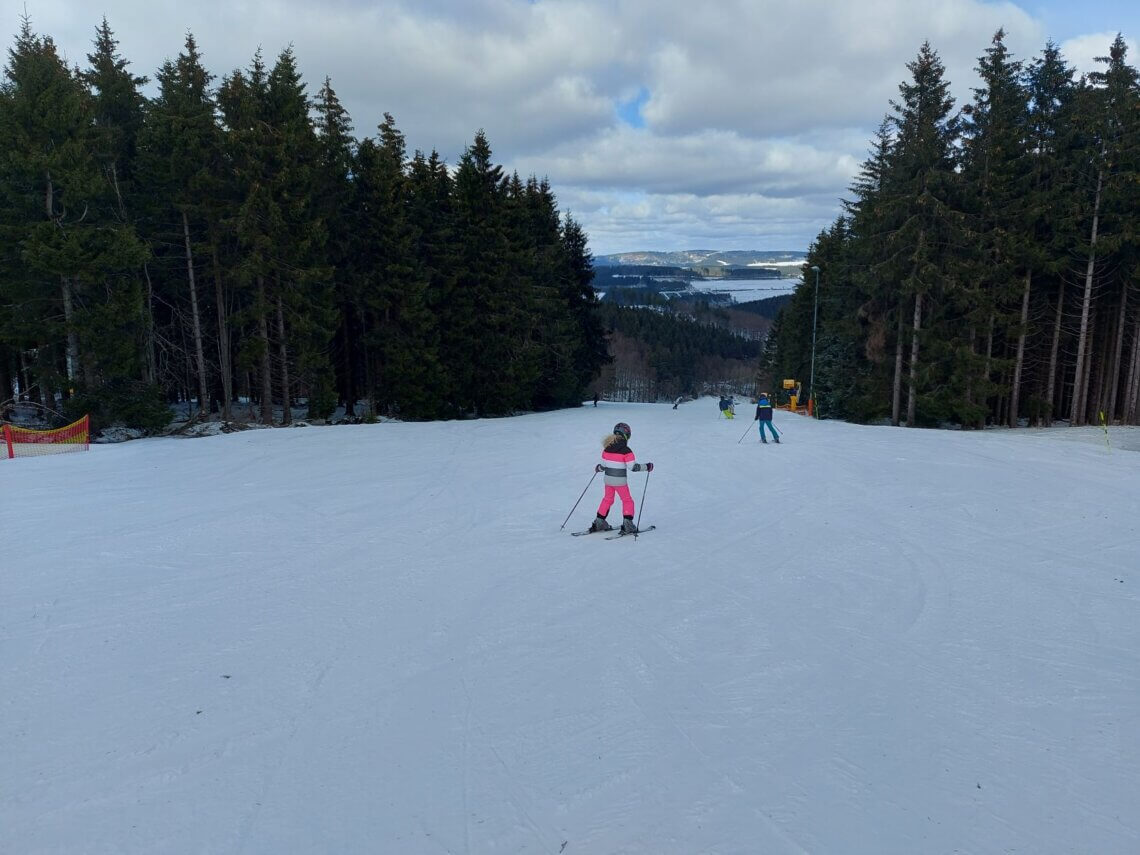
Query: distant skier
[617, 459]
[764, 417]
[595, 399]
[726, 408]
[678, 401]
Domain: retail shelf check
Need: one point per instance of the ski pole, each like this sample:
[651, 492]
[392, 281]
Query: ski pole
[643, 492]
[744, 435]
[592, 477]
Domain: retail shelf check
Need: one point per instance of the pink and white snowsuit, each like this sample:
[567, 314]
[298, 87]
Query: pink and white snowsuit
[617, 459]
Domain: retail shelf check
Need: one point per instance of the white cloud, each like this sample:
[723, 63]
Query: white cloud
[705, 162]
[757, 112]
[1081, 51]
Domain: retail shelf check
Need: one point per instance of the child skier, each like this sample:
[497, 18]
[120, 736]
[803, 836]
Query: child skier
[617, 459]
[764, 417]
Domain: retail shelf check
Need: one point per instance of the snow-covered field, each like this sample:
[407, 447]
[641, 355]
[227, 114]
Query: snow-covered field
[375, 639]
[745, 290]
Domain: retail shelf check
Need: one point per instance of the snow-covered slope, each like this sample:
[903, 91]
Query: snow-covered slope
[375, 639]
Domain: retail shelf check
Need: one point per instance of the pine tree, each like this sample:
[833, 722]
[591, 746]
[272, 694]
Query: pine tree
[923, 214]
[333, 199]
[117, 104]
[430, 210]
[402, 333]
[589, 353]
[1119, 83]
[305, 297]
[75, 262]
[248, 144]
[179, 163]
[1049, 140]
[867, 299]
[1110, 123]
[996, 178]
[480, 319]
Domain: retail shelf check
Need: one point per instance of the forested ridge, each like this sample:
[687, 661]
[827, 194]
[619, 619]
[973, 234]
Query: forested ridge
[986, 268]
[232, 239]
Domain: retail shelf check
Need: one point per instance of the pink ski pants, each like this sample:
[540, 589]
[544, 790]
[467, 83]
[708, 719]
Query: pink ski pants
[608, 500]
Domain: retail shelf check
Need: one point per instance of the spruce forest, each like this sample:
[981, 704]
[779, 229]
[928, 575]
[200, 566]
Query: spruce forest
[226, 240]
[986, 268]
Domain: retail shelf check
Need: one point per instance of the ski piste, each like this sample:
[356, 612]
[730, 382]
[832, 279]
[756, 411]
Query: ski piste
[614, 533]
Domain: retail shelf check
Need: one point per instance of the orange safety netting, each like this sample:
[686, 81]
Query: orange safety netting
[25, 442]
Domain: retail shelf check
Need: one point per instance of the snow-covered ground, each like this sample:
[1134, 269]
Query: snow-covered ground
[376, 639]
[744, 290]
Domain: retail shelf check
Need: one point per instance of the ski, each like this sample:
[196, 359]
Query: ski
[632, 533]
[614, 533]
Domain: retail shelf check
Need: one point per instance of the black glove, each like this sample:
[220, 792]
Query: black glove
[648, 467]
[599, 468]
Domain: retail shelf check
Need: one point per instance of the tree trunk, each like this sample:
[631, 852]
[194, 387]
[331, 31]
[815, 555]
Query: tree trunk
[348, 363]
[1134, 409]
[1118, 352]
[1131, 389]
[6, 386]
[912, 393]
[47, 397]
[1019, 360]
[1082, 383]
[1051, 390]
[118, 193]
[369, 388]
[24, 375]
[1077, 413]
[86, 366]
[1100, 370]
[199, 354]
[224, 364]
[988, 368]
[970, 373]
[266, 362]
[72, 353]
[896, 393]
[151, 358]
[283, 354]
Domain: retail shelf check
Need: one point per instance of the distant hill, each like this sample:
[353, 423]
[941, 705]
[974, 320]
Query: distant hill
[703, 258]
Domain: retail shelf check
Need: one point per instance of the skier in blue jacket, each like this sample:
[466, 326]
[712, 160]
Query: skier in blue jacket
[764, 417]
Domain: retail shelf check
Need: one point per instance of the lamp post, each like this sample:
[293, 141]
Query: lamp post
[814, 316]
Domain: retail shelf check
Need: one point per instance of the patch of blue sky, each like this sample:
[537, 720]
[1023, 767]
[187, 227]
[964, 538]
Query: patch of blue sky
[629, 111]
[1064, 19]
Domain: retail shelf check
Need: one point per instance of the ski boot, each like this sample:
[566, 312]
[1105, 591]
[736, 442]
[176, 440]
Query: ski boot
[777, 440]
[600, 524]
[627, 526]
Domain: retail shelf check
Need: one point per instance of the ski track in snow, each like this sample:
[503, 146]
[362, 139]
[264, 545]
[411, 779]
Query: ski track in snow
[376, 639]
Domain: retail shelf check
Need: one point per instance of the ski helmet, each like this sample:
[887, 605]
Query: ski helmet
[622, 429]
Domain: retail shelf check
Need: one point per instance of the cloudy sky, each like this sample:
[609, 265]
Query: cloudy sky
[661, 124]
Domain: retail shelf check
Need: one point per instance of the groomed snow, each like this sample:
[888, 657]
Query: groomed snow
[375, 639]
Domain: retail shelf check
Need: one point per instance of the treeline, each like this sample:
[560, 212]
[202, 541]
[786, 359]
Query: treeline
[232, 239]
[659, 354]
[768, 307]
[986, 268]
